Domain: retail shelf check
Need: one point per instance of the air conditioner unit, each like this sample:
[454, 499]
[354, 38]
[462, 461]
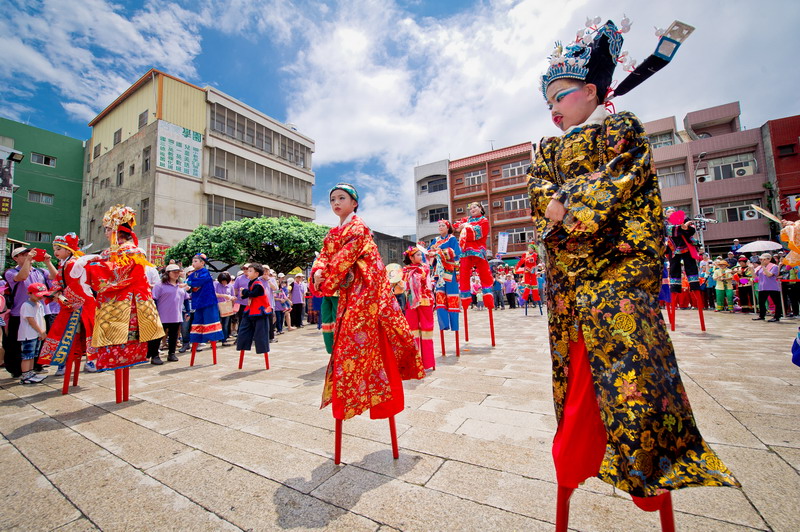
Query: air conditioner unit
[459, 211]
[749, 215]
[743, 171]
[702, 178]
[496, 204]
[423, 187]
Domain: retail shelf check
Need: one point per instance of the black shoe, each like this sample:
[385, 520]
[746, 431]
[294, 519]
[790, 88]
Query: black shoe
[156, 360]
[37, 368]
[172, 357]
[756, 319]
[183, 348]
[774, 319]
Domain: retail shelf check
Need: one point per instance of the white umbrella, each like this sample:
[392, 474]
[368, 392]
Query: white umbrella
[759, 245]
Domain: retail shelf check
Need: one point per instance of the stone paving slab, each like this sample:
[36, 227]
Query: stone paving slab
[217, 448]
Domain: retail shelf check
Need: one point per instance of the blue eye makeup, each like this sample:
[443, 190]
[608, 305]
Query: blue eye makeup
[561, 95]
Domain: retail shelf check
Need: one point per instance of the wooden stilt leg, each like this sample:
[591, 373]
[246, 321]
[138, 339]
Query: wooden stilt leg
[666, 514]
[214, 352]
[76, 370]
[126, 380]
[67, 372]
[458, 348]
[671, 314]
[466, 325]
[441, 335]
[393, 432]
[562, 508]
[118, 384]
[241, 359]
[194, 352]
[697, 295]
[337, 451]
[491, 324]
[266, 359]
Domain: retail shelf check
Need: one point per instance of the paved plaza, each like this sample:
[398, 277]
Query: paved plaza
[218, 448]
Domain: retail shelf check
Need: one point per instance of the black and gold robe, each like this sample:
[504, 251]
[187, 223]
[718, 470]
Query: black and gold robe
[604, 267]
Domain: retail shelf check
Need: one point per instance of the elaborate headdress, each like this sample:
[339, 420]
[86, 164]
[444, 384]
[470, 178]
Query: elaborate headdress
[70, 242]
[448, 224]
[597, 50]
[201, 256]
[478, 203]
[122, 218]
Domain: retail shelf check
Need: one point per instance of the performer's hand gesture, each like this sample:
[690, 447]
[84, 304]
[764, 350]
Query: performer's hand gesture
[555, 211]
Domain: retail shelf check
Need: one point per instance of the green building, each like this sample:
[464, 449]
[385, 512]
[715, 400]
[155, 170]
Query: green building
[48, 199]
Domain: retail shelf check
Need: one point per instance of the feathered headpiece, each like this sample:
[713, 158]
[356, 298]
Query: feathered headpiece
[70, 242]
[122, 218]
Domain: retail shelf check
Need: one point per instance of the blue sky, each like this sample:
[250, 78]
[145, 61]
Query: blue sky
[382, 86]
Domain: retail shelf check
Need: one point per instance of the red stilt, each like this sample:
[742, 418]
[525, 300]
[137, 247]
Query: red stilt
[441, 335]
[337, 452]
[77, 371]
[266, 359]
[118, 384]
[671, 313]
[194, 352]
[214, 352]
[699, 301]
[393, 432]
[562, 508]
[666, 514]
[126, 379]
[491, 324]
[67, 372]
[466, 325]
[241, 359]
[458, 349]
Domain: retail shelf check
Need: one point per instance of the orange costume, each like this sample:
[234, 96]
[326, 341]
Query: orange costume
[373, 349]
[527, 267]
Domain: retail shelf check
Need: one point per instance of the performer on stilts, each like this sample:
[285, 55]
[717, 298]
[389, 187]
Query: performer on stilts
[682, 251]
[126, 317]
[206, 326]
[445, 254]
[372, 349]
[527, 267]
[474, 231]
[70, 335]
[419, 304]
[622, 410]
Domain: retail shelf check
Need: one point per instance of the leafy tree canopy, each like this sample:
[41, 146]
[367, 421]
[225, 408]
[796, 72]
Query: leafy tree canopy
[282, 243]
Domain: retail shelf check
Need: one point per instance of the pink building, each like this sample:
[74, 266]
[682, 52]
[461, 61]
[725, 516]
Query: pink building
[714, 169]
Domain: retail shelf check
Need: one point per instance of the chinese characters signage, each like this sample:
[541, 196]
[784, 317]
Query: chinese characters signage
[179, 149]
[157, 252]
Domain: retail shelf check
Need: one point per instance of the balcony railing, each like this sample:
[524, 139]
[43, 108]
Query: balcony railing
[509, 181]
[469, 190]
[503, 216]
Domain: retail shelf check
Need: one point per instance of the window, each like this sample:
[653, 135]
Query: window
[105, 183]
[734, 211]
[40, 197]
[434, 215]
[437, 185]
[738, 165]
[143, 118]
[38, 236]
[687, 208]
[94, 186]
[474, 178]
[144, 211]
[131, 169]
[520, 235]
[45, 160]
[146, 159]
[671, 176]
[117, 136]
[97, 150]
[516, 202]
[515, 169]
[788, 149]
[120, 173]
[662, 139]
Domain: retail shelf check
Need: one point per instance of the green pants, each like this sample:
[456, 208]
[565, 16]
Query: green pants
[721, 295]
[328, 316]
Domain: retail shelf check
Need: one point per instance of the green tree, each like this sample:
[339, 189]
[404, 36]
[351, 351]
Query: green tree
[282, 243]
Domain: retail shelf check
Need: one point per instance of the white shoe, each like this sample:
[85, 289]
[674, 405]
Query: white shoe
[60, 371]
[89, 367]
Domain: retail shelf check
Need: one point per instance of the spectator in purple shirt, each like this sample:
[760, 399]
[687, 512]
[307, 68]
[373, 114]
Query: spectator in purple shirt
[297, 297]
[510, 290]
[169, 297]
[768, 287]
[19, 278]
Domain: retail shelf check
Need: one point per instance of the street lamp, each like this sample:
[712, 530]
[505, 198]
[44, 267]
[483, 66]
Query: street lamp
[15, 156]
[697, 177]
